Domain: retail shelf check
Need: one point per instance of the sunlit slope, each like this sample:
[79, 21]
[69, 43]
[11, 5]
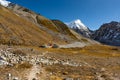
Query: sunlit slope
[18, 31]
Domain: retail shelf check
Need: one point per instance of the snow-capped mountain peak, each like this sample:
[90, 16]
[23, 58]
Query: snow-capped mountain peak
[4, 3]
[79, 27]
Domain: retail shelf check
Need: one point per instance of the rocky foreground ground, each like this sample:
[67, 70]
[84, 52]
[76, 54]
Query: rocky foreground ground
[33, 63]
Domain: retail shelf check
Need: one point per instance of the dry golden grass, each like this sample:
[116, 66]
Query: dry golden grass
[47, 23]
[55, 78]
[15, 30]
[24, 65]
[101, 50]
[93, 50]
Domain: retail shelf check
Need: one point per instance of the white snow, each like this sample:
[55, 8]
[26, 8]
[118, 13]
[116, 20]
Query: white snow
[4, 3]
[116, 35]
[118, 25]
[77, 24]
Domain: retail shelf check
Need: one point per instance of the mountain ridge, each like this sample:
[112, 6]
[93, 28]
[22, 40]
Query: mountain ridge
[108, 33]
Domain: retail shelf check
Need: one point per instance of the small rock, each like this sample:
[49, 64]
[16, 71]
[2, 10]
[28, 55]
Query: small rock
[34, 79]
[103, 69]
[15, 78]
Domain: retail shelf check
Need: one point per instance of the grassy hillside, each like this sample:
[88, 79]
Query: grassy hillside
[57, 29]
[63, 28]
[18, 31]
[45, 24]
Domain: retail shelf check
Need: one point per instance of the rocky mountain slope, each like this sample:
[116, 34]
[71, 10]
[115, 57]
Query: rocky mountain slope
[108, 33]
[80, 28]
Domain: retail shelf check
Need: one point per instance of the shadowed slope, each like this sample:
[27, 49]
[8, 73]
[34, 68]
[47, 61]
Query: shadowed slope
[63, 28]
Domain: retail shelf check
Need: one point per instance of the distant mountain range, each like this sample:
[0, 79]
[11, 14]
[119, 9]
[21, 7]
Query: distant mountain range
[108, 33]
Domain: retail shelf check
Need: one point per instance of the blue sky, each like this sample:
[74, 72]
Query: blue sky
[92, 13]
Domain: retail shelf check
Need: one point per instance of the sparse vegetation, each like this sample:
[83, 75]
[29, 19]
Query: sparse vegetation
[24, 65]
[85, 40]
[63, 28]
[47, 23]
[116, 49]
[18, 52]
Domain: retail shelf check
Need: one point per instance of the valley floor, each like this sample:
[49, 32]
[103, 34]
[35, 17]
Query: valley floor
[96, 62]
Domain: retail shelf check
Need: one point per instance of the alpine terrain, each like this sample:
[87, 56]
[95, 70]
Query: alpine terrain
[33, 47]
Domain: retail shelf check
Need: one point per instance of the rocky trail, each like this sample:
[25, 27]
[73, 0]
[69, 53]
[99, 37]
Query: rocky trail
[77, 44]
[73, 45]
[33, 73]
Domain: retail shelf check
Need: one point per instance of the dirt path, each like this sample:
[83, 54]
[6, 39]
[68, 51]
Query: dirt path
[73, 45]
[33, 72]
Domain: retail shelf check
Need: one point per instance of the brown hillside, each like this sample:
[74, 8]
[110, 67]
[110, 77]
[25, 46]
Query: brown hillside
[46, 23]
[18, 31]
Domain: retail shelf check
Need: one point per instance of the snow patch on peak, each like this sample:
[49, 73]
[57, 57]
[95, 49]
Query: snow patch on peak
[4, 3]
[77, 21]
[77, 24]
[118, 25]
